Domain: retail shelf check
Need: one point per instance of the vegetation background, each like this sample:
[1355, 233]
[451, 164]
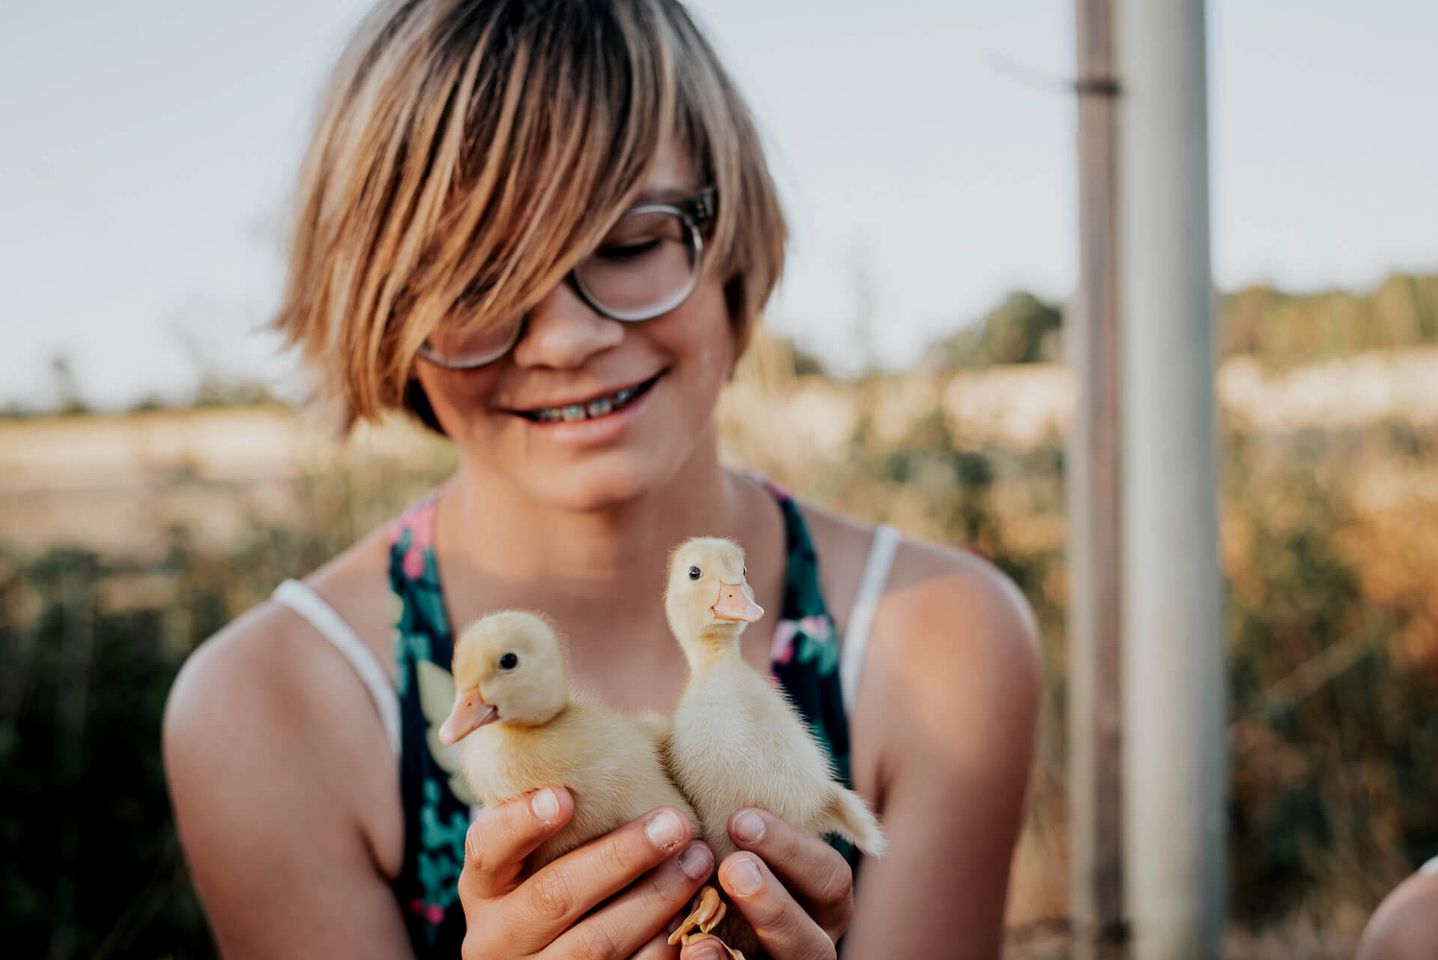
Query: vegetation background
[126, 539]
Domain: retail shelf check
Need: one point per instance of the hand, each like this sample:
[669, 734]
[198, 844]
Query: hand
[801, 907]
[508, 917]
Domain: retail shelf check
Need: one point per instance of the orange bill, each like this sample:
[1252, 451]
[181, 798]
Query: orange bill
[469, 713]
[737, 603]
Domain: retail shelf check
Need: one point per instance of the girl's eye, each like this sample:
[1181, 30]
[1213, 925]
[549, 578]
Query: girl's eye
[628, 250]
[508, 662]
[695, 573]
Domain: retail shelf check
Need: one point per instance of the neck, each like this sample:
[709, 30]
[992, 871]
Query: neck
[529, 725]
[604, 564]
[713, 647]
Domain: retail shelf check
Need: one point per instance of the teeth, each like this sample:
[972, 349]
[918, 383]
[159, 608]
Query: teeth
[581, 411]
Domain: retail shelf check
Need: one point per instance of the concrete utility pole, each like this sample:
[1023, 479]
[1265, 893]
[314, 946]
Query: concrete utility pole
[1173, 657]
[1092, 342]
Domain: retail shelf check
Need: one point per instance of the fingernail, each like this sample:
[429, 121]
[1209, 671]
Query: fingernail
[696, 861]
[744, 878]
[664, 829]
[749, 827]
[545, 805]
[706, 950]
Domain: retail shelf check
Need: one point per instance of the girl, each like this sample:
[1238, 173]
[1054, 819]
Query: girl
[546, 229]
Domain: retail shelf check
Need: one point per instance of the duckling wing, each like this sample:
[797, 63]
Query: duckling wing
[436, 699]
[738, 742]
[611, 764]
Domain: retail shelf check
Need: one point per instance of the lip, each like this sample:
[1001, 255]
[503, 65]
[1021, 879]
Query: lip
[522, 409]
[580, 434]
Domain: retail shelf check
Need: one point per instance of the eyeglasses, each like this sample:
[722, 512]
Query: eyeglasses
[646, 265]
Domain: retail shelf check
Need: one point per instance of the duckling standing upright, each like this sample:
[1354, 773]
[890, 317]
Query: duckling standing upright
[522, 729]
[736, 740]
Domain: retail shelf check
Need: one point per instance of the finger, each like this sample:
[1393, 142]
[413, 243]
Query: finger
[565, 890]
[641, 913]
[815, 873]
[501, 837]
[704, 950]
[783, 927]
[658, 948]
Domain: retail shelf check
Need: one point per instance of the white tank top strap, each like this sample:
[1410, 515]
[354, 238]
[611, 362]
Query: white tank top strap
[866, 601]
[303, 600]
[1430, 868]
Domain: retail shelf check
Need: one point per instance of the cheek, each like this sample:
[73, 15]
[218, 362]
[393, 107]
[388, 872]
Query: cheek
[452, 393]
[702, 335]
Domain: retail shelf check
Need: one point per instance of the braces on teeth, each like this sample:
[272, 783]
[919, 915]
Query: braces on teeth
[574, 412]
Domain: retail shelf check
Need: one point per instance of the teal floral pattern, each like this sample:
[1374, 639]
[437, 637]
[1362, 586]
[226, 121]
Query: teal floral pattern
[435, 819]
[805, 658]
[804, 665]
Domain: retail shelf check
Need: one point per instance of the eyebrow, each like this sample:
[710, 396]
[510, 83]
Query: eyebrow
[665, 194]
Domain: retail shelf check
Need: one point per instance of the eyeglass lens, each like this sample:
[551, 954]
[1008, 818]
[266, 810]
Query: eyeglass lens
[644, 262]
[645, 265]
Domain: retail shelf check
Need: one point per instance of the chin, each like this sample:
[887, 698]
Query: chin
[604, 483]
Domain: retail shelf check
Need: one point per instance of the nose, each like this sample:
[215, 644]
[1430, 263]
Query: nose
[564, 332]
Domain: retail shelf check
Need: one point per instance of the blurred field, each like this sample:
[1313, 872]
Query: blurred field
[125, 540]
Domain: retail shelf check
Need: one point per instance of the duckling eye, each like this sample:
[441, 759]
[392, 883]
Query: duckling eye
[695, 573]
[508, 662]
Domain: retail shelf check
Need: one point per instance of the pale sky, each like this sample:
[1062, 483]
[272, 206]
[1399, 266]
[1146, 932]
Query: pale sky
[148, 150]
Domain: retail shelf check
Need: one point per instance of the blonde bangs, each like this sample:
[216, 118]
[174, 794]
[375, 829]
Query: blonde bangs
[746, 249]
[470, 153]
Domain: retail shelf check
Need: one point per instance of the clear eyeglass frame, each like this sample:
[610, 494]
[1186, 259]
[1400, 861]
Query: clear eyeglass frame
[694, 211]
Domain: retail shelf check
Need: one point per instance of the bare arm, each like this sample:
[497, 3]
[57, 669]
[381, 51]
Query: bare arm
[943, 733]
[278, 770]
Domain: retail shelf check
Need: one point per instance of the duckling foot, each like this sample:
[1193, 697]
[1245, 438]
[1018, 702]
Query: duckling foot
[706, 913]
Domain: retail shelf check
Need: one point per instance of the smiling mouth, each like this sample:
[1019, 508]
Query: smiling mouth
[592, 409]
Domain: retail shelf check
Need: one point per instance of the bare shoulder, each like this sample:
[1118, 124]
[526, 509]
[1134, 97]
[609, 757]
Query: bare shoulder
[1405, 926]
[281, 776]
[942, 736]
[955, 639]
[271, 663]
[947, 605]
[954, 646]
[939, 601]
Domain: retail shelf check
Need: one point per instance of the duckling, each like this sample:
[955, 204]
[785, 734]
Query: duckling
[736, 740]
[519, 728]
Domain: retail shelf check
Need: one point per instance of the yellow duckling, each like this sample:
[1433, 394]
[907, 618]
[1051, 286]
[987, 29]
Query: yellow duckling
[520, 728]
[736, 740]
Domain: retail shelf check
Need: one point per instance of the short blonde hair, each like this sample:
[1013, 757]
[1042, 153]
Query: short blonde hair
[470, 152]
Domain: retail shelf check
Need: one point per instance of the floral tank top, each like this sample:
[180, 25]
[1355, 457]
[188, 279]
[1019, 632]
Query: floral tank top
[437, 801]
